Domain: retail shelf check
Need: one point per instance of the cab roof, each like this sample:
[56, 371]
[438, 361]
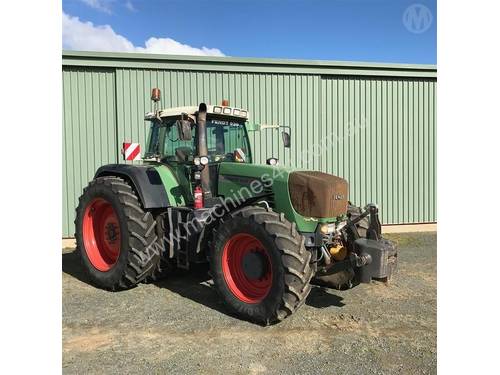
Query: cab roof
[192, 110]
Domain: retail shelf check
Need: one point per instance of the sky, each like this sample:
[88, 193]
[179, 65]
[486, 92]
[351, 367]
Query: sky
[397, 31]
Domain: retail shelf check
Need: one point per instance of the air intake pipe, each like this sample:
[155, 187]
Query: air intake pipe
[203, 149]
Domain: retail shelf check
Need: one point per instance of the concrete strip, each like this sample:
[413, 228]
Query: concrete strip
[68, 243]
[409, 228]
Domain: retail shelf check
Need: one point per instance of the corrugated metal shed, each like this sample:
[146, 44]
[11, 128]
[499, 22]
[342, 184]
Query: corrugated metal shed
[374, 124]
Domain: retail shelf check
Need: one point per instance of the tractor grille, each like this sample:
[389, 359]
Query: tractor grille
[318, 194]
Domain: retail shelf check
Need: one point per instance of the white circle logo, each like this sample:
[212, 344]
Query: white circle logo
[417, 18]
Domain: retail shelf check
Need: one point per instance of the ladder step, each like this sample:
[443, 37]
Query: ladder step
[182, 245]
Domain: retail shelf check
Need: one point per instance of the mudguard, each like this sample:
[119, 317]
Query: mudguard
[146, 181]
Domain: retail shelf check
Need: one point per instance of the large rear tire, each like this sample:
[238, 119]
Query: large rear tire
[165, 266]
[259, 265]
[116, 238]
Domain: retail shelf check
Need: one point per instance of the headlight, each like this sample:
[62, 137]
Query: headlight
[197, 161]
[272, 161]
[204, 160]
[326, 228]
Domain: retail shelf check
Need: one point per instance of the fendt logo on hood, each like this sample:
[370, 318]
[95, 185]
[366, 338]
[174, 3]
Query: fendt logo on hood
[338, 197]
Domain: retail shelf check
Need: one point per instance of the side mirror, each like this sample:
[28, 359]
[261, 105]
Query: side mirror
[286, 139]
[184, 130]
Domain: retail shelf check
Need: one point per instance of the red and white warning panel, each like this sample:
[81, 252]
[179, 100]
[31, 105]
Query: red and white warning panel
[131, 151]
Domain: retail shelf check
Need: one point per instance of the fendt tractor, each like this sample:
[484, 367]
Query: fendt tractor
[267, 231]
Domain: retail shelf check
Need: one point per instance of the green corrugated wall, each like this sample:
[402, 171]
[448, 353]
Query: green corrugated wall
[374, 124]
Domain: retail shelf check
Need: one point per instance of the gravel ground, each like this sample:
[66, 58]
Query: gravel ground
[180, 326]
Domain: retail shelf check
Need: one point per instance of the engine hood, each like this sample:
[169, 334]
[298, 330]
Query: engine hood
[305, 197]
[318, 194]
[277, 173]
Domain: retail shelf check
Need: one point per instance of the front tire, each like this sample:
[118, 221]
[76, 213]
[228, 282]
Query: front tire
[116, 238]
[362, 226]
[260, 266]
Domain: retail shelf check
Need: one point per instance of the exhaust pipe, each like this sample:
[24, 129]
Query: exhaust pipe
[203, 149]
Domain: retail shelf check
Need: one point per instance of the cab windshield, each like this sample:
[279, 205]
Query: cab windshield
[224, 139]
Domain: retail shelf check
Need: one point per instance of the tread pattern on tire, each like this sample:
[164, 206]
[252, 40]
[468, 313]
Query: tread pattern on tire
[164, 266]
[160, 272]
[143, 253]
[295, 258]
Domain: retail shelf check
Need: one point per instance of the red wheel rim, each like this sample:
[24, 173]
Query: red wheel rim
[101, 234]
[245, 288]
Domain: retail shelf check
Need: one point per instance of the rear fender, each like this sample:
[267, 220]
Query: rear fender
[145, 180]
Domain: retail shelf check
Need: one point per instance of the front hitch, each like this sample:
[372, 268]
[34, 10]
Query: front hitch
[372, 257]
[353, 261]
[382, 253]
[374, 231]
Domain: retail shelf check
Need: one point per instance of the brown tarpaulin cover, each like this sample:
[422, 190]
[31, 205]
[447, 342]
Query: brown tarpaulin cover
[318, 194]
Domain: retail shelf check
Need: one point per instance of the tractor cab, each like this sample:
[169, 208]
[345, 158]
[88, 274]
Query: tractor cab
[174, 136]
[196, 142]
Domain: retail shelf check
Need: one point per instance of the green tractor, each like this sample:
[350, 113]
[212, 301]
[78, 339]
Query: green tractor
[267, 231]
